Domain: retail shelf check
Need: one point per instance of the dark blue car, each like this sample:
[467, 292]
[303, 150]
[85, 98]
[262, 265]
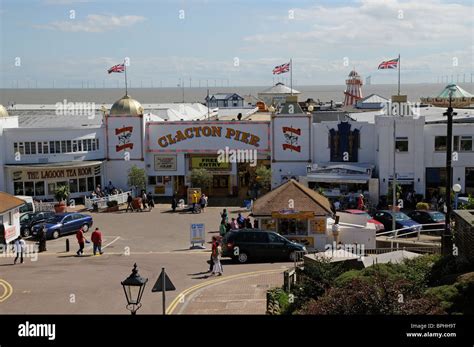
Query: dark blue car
[401, 221]
[62, 224]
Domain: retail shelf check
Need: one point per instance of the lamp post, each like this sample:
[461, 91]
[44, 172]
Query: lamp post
[456, 190]
[446, 240]
[133, 286]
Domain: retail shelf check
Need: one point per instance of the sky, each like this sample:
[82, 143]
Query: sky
[67, 43]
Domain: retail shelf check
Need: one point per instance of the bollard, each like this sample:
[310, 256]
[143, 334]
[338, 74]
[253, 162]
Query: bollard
[67, 245]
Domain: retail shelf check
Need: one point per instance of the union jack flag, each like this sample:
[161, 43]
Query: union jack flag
[389, 64]
[117, 68]
[281, 69]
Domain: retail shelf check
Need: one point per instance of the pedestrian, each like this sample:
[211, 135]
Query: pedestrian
[224, 215]
[19, 247]
[240, 221]
[217, 254]
[213, 250]
[248, 223]
[144, 199]
[234, 224]
[203, 201]
[337, 205]
[129, 202]
[255, 224]
[222, 228]
[151, 203]
[96, 238]
[194, 200]
[360, 203]
[42, 239]
[110, 187]
[81, 240]
[174, 203]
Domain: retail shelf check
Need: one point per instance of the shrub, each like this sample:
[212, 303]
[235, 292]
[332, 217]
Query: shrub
[61, 193]
[448, 268]
[422, 206]
[445, 294]
[201, 178]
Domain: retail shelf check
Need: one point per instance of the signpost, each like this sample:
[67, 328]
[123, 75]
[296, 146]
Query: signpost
[197, 236]
[163, 284]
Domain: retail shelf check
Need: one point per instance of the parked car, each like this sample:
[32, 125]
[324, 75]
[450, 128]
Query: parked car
[244, 244]
[428, 217]
[401, 221]
[29, 219]
[378, 225]
[62, 224]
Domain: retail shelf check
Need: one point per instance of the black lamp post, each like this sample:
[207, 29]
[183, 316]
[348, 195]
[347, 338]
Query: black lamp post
[446, 239]
[133, 287]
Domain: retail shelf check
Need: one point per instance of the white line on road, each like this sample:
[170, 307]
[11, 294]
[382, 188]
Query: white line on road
[118, 237]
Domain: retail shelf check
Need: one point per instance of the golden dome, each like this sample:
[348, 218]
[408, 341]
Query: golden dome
[3, 111]
[126, 106]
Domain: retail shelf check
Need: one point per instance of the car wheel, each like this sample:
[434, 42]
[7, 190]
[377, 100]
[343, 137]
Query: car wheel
[85, 228]
[242, 258]
[25, 232]
[55, 234]
[293, 256]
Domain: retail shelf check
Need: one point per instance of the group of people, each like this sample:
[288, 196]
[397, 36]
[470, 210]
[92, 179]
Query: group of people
[199, 202]
[102, 193]
[235, 223]
[96, 238]
[146, 202]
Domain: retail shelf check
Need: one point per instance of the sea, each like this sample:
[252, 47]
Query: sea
[324, 93]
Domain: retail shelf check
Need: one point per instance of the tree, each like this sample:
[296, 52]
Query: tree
[264, 176]
[61, 193]
[137, 178]
[470, 203]
[201, 178]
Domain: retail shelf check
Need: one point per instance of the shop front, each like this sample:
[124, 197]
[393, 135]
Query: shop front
[9, 217]
[41, 181]
[229, 151]
[296, 212]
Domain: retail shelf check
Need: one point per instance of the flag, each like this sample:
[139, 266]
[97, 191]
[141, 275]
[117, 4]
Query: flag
[389, 64]
[117, 68]
[281, 69]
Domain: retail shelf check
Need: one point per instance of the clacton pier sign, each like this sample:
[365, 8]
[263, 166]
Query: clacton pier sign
[207, 136]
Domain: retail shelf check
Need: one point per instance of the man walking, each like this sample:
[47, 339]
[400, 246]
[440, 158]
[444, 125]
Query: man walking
[96, 239]
[129, 202]
[19, 247]
[42, 239]
[81, 240]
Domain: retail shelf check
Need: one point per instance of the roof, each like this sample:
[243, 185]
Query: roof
[223, 96]
[126, 106]
[395, 257]
[458, 92]
[9, 202]
[305, 199]
[373, 98]
[51, 120]
[279, 88]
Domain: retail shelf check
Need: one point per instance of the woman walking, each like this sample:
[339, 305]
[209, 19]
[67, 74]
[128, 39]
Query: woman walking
[217, 268]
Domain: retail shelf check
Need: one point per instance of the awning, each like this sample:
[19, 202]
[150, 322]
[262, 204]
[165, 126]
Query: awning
[62, 165]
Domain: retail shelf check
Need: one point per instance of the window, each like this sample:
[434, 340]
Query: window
[51, 188]
[84, 145]
[15, 148]
[466, 143]
[51, 147]
[63, 147]
[82, 185]
[27, 148]
[79, 145]
[74, 145]
[39, 188]
[33, 147]
[40, 147]
[93, 144]
[29, 188]
[68, 146]
[73, 185]
[90, 184]
[18, 188]
[97, 180]
[89, 145]
[440, 143]
[45, 147]
[97, 143]
[401, 144]
[21, 148]
[151, 180]
[456, 144]
[293, 226]
[469, 189]
[58, 146]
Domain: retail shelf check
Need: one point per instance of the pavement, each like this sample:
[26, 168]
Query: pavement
[58, 282]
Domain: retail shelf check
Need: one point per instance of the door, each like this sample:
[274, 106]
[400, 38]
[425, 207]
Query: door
[260, 246]
[68, 224]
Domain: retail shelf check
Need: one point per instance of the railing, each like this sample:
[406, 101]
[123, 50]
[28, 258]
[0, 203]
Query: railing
[102, 202]
[395, 234]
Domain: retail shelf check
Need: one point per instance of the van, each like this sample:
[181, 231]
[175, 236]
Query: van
[28, 206]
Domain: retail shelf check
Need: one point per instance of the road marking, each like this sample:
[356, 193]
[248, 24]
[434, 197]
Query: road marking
[118, 237]
[8, 290]
[189, 290]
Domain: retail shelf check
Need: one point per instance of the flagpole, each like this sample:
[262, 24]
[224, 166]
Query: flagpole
[398, 73]
[125, 68]
[291, 75]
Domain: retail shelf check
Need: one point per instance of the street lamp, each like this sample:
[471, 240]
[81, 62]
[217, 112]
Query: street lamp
[456, 190]
[133, 287]
[446, 241]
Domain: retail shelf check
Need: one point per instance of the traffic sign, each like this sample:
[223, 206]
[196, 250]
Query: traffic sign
[168, 285]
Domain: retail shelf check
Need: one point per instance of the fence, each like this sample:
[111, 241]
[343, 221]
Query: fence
[102, 202]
